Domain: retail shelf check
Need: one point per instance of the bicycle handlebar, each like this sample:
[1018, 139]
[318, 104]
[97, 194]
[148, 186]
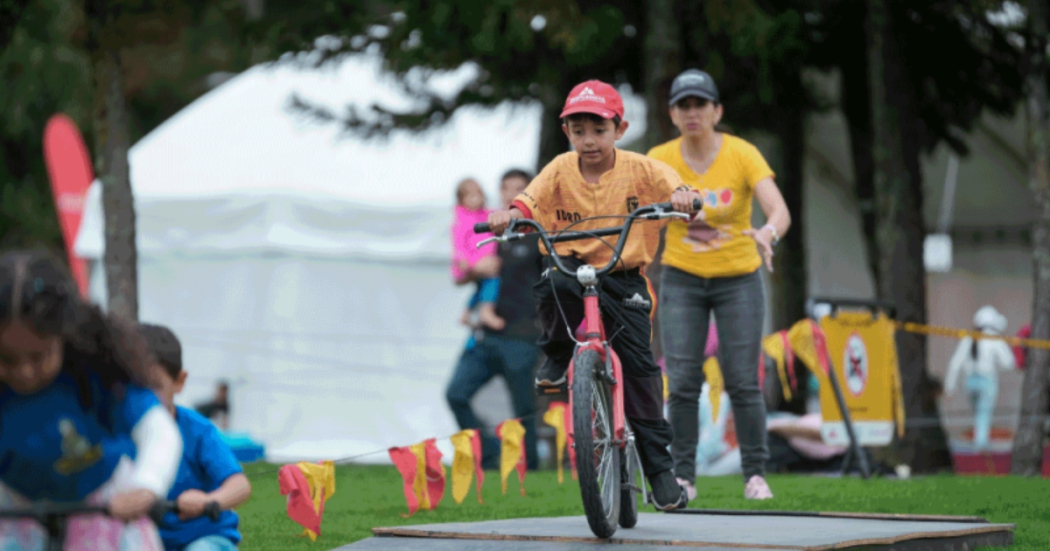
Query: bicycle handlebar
[44, 510]
[163, 506]
[40, 510]
[655, 211]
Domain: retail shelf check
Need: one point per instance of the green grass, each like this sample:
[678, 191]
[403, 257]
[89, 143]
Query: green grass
[371, 496]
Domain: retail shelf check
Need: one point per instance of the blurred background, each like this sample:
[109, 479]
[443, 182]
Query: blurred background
[279, 177]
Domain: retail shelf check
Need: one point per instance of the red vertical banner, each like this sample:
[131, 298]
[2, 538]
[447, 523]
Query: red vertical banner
[70, 171]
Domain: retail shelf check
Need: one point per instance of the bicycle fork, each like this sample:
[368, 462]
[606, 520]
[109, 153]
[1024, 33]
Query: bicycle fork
[594, 338]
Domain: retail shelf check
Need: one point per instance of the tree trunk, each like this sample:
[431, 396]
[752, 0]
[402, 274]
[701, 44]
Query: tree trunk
[789, 279]
[900, 232]
[552, 140]
[663, 50]
[111, 143]
[789, 262]
[856, 106]
[1028, 443]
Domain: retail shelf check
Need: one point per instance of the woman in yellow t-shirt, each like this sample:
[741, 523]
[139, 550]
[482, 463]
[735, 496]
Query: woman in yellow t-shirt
[712, 265]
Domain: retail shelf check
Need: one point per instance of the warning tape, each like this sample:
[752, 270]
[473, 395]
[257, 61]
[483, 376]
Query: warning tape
[955, 333]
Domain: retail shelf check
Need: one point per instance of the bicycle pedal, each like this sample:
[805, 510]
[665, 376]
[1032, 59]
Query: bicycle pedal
[548, 390]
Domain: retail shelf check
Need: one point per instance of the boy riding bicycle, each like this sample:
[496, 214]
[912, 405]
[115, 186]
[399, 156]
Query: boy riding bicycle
[593, 187]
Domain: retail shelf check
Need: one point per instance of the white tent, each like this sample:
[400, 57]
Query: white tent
[311, 272]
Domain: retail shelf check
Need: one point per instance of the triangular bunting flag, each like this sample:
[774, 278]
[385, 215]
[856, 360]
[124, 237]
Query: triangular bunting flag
[419, 485]
[299, 505]
[462, 464]
[435, 473]
[406, 462]
[475, 444]
[715, 383]
[512, 453]
[307, 487]
[568, 440]
[776, 347]
[555, 417]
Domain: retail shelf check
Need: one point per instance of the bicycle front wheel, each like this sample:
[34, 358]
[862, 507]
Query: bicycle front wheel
[597, 455]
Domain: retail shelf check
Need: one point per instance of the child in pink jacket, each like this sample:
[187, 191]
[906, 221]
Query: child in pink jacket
[470, 210]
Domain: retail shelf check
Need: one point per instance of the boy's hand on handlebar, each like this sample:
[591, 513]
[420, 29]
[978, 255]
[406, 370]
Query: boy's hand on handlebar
[192, 503]
[682, 201]
[131, 505]
[500, 220]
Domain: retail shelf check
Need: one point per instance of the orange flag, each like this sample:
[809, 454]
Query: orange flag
[555, 417]
[406, 462]
[512, 452]
[466, 463]
[435, 474]
[307, 487]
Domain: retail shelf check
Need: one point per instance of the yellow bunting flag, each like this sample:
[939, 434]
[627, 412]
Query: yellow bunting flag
[807, 342]
[419, 484]
[715, 384]
[465, 464]
[555, 417]
[776, 347]
[512, 453]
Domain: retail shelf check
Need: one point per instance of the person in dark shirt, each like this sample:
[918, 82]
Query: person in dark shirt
[511, 352]
[218, 408]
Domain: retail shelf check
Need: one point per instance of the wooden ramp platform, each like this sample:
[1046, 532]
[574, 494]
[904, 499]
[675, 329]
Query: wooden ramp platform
[707, 530]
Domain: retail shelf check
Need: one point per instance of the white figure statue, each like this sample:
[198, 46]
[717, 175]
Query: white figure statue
[980, 361]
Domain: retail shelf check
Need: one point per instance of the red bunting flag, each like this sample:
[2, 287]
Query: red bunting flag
[435, 473]
[405, 461]
[307, 487]
[569, 441]
[475, 444]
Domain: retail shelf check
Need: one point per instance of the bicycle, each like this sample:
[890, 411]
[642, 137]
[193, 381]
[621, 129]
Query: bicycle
[53, 516]
[610, 483]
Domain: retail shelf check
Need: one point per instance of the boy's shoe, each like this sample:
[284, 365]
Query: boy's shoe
[690, 489]
[667, 493]
[551, 375]
[757, 488]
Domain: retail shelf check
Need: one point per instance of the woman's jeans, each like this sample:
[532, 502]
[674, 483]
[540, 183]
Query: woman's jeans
[738, 303]
[983, 391]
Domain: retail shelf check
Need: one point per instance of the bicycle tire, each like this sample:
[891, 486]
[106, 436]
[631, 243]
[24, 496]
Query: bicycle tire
[602, 514]
[629, 465]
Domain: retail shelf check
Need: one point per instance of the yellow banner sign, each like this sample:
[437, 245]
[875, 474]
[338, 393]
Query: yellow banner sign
[863, 356]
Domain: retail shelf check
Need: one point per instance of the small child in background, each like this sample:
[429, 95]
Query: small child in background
[78, 419]
[208, 472]
[470, 210]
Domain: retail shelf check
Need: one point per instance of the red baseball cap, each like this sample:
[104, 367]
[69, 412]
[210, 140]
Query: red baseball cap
[594, 96]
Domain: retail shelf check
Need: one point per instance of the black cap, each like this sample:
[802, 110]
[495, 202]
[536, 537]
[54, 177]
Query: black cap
[694, 83]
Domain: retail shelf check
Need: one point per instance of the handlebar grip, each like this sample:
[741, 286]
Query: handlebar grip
[698, 204]
[482, 227]
[212, 510]
[160, 508]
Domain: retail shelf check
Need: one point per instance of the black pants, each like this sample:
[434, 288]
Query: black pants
[627, 306]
